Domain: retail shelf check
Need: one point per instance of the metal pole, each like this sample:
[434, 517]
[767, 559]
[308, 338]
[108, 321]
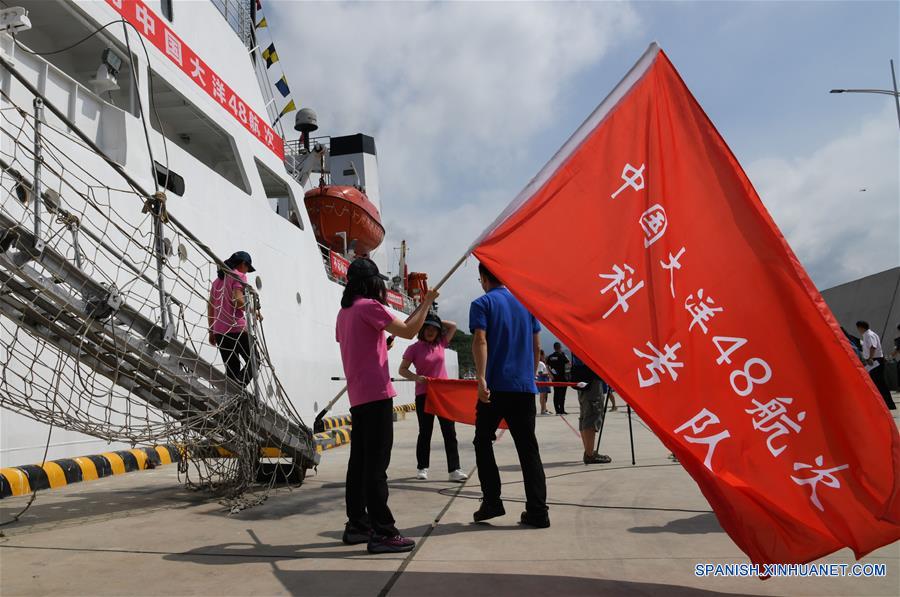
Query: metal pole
[602, 418]
[896, 95]
[630, 433]
[36, 184]
[250, 308]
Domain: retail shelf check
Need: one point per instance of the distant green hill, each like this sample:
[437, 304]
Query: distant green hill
[462, 344]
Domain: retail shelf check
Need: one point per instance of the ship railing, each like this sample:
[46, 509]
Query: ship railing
[238, 15]
[409, 304]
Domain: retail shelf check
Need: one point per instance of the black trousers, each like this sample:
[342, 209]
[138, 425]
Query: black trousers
[559, 399]
[518, 409]
[371, 440]
[877, 375]
[423, 444]
[234, 348]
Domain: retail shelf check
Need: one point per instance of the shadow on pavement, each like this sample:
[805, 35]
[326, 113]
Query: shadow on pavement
[415, 584]
[695, 525]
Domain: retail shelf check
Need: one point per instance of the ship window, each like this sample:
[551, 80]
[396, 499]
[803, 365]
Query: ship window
[171, 181]
[279, 195]
[188, 127]
[99, 63]
[167, 10]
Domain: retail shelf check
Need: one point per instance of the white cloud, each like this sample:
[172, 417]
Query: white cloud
[456, 96]
[839, 232]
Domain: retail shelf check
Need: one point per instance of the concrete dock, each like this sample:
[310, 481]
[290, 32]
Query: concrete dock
[617, 529]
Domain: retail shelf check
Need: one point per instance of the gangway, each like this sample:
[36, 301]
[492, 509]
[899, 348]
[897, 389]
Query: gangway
[57, 291]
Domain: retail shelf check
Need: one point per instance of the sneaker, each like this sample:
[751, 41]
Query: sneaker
[534, 520]
[546, 412]
[355, 536]
[596, 458]
[458, 476]
[395, 544]
[422, 474]
[488, 511]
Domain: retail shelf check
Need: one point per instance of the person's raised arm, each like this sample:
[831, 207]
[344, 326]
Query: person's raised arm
[536, 345]
[480, 354]
[409, 328]
[450, 328]
[405, 373]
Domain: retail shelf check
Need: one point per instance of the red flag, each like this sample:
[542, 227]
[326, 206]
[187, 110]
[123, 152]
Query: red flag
[681, 292]
[454, 399]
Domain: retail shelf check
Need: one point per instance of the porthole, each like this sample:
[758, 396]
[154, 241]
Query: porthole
[182, 252]
[299, 299]
[315, 406]
[167, 247]
[258, 282]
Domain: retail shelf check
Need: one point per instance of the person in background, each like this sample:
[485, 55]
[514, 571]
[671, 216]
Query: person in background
[543, 374]
[506, 347]
[360, 327]
[427, 355]
[874, 359]
[557, 362]
[226, 320]
[611, 395]
[591, 409]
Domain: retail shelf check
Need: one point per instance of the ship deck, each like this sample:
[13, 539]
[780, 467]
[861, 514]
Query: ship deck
[616, 529]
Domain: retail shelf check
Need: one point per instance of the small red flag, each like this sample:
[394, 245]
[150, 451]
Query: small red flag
[454, 400]
[680, 291]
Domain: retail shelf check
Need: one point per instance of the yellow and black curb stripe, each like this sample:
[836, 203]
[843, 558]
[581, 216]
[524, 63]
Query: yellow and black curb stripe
[405, 408]
[332, 438]
[335, 422]
[22, 480]
[337, 429]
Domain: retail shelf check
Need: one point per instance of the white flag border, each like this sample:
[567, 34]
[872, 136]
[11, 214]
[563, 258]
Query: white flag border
[574, 142]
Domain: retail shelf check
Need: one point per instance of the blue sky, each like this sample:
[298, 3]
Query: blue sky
[468, 100]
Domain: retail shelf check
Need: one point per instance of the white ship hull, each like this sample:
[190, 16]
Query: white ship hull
[299, 301]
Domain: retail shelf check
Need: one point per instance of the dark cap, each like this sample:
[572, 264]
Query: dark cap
[433, 320]
[240, 257]
[362, 268]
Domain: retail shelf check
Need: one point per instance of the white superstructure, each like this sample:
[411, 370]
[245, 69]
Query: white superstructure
[236, 195]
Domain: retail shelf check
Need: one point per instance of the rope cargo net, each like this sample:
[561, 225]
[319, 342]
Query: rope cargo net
[103, 318]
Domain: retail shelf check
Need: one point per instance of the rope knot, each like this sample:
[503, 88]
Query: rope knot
[156, 205]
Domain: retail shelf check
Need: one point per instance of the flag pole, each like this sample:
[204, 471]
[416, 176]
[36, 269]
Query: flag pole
[318, 425]
[630, 433]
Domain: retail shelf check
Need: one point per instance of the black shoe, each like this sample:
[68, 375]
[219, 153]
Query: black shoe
[355, 536]
[596, 458]
[534, 520]
[489, 510]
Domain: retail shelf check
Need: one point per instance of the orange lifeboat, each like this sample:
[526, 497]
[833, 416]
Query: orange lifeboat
[336, 210]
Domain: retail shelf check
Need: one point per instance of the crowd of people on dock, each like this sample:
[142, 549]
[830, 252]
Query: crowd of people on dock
[510, 370]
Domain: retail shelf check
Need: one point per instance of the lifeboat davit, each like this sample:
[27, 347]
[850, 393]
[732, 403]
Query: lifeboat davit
[336, 210]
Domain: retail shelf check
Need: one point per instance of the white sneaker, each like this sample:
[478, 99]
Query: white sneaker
[458, 476]
[422, 474]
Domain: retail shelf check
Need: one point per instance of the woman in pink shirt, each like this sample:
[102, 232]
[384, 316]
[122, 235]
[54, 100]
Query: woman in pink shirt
[225, 315]
[360, 328]
[428, 357]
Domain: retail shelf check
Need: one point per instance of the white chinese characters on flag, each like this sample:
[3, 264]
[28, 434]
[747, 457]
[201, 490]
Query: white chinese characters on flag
[683, 294]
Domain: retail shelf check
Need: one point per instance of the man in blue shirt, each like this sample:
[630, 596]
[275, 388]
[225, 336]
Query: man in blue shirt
[506, 347]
